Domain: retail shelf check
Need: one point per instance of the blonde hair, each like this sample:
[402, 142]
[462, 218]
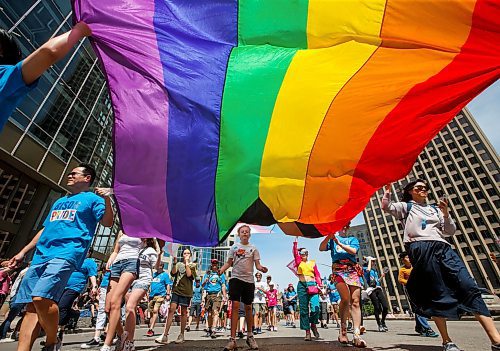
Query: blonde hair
[243, 226]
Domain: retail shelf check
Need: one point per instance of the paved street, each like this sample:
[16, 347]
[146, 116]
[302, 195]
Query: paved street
[467, 334]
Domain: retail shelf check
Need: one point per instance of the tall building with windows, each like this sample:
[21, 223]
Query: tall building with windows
[66, 120]
[459, 162]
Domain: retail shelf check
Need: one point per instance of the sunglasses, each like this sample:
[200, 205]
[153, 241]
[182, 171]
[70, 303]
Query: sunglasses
[76, 173]
[420, 188]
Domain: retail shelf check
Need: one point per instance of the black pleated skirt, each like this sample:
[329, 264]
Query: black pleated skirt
[439, 284]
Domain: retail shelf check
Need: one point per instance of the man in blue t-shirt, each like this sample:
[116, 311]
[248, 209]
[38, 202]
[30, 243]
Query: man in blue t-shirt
[60, 248]
[76, 286]
[18, 78]
[160, 287]
[195, 309]
[214, 284]
[334, 295]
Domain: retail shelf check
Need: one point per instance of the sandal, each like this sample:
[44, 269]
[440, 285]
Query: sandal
[308, 336]
[343, 339]
[357, 341]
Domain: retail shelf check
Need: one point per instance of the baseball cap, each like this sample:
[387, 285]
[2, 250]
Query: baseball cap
[214, 261]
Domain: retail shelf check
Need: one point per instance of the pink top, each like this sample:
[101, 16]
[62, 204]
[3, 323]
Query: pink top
[298, 259]
[272, 297]
[4, 282]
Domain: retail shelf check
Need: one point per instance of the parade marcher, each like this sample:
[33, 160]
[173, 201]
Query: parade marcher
[183, 273]
[291, 300]
[101, 314]
[259, 302]
[307, 291]
[215, 289]
[61, 247]
[74, 288]
[160, 288]
[376, 294]
[242, 257]
[195, 309]
[14, 308]
[344, 248]
[148, 258]
[124, 266]
[272, 303]
[334, 298]
[422, 327]
[18, 77]
[5, 283]
[324, 301]
[449, 288]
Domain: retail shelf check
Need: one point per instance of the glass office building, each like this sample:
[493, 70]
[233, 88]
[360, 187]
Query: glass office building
[66, 120]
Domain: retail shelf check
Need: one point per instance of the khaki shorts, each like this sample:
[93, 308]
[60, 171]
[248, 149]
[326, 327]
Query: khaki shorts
[213, 302]
[260, 308]
[155, 303]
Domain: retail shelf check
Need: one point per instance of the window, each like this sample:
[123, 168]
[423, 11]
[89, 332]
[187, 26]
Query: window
[491, 219]
[479, 221]
[491, 192]
[486, 207]
[467, 251]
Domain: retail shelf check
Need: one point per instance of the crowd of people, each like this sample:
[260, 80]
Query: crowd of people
[133, 283]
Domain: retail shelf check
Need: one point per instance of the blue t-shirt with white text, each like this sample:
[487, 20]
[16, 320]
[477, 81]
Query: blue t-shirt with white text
[78, 279]
[12, 90]
[339, 253]
[371, 277]
[215, 282]
[69, 228]
[159, 284]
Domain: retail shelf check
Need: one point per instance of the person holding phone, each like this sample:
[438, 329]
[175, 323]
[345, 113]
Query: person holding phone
[449, 288]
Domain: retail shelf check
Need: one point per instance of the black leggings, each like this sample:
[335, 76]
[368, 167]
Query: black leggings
[65, 303]
[380, 305]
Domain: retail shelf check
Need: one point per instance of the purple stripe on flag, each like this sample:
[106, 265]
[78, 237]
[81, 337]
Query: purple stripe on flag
[127, 45]
[195, 43]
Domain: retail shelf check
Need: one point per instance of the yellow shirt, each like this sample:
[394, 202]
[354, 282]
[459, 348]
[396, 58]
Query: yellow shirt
[306, 268]
[404, 274]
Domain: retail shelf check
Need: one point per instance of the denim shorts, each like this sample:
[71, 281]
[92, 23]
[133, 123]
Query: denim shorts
[180, 300]
[47, 280]
[130, 265]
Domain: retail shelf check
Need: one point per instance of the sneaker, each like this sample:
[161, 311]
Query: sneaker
[150, 333]
[7, 340]
[325, 326]
[338, 325]
[162, 339]
[90, 344]
[103, 337]
[188, 328]
[450, 346]
[495, 347]
[240, 335]
[381, 328]
[252, 343]
[308, 336]
[385, 327]
[213, 335]
[419, 330]
[349, 327]
[180, 339]
[429, 333]
[120, 341]
[128, 346]
[294, 326]
[231, 345]
[105, 348]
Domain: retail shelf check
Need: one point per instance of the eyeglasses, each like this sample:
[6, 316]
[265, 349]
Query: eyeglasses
[420, 188]
[76, 173]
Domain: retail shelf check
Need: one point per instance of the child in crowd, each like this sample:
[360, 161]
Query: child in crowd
[242, 257]
[272, 302]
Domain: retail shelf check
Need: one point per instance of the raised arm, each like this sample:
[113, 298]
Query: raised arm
[295, 252]
[449, 227]
[51, 52]
[317, 276]
[397, 209]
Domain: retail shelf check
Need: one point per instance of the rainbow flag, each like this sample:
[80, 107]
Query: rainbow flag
[279, 111]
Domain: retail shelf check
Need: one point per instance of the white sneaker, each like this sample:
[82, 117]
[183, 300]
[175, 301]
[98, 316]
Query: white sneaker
[180, 339]
[105, 348]
[7, 340]
[162, 339]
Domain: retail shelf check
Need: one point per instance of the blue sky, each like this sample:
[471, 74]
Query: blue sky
[275, 249]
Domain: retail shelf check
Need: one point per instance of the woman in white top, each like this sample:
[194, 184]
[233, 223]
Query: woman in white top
[124, 266]
[148, 259]
[439, 285]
